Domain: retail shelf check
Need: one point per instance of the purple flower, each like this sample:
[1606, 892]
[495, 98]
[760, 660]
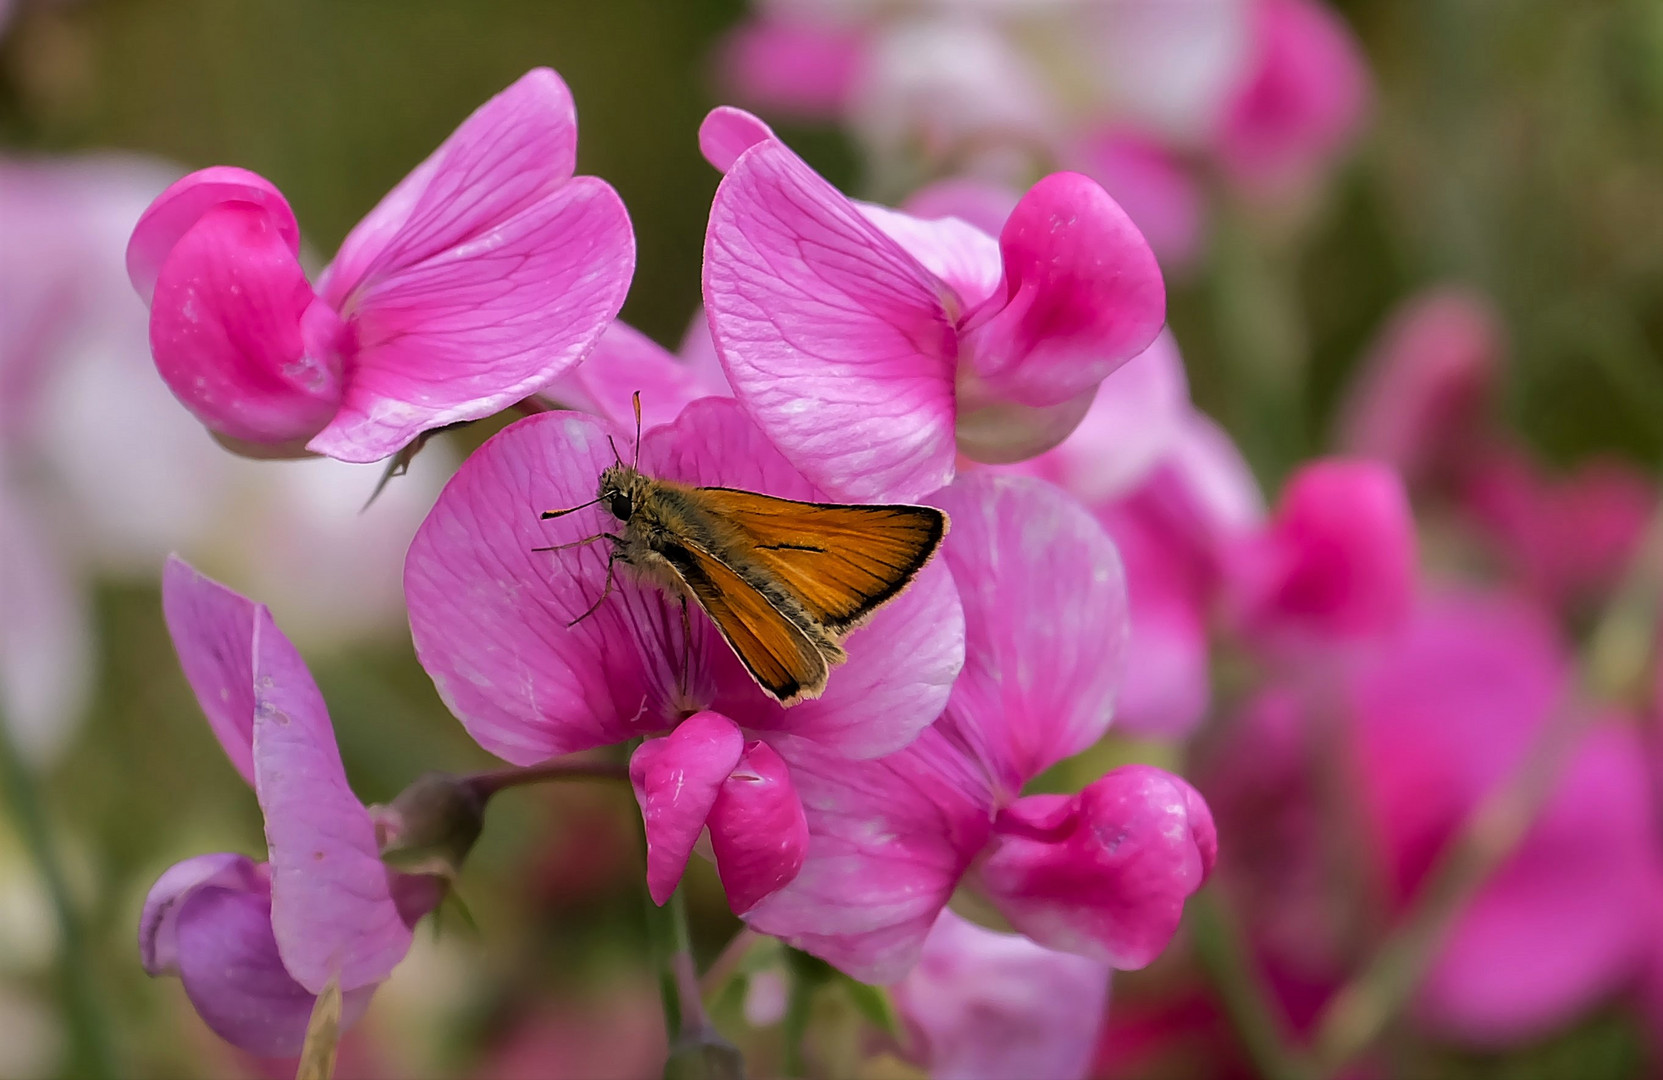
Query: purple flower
[492, 621]
[485, 273]
[254, 943]
[1103, 873]
[872, 347]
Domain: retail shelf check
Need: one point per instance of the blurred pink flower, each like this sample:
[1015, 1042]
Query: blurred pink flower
[982, 1005]
[1103, 873]
[797, 67]
[487, 272]
[626, 360]
[1304, 100]
[872, 346]
[490, 617]
[254, 943]
[1162, 197]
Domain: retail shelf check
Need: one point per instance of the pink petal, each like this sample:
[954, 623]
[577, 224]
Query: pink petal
[213, 632]
[1166, 690]
[625, 361]
[975, 202]
[229, 964]
[991, 1006]
[1082, 295]
[995, 431]
[1163, 200]
[676, 780]
[1045, 615]
[332, 908]
[888, 842]
[797, 68]
[490, 271]
[757, 828]
[176, 210]
[237, 334]
[727, 133]
[961, 254]
[159, 921]
[839, 344]
[1104, 873]
[1338, 559]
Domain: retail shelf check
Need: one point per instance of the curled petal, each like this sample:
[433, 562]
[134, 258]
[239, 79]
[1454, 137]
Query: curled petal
[237, 334]
[677, 780]
[840, 345]
[159, 921]
[488, 272]
[1104, 873]
[626, 361]
[213, 632]
[757, 828]
[727, 133]
[332, 907]
[176, 210]
[1082, 295]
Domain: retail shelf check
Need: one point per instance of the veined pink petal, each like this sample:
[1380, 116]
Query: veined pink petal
[1083, 295]
[490, 271]
[237, 334]
[1104, 873]
[158, 922]
[728, 132]
[796, 67]
[757, 828]
[176, 210]
[1045, 616]
[331, 907]
[676, 780]
[840, 345]
[990, 1006]
[213, 632]
[625, 361]
[888, 841]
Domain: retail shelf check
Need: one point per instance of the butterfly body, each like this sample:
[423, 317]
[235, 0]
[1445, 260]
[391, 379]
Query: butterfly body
[782, 580]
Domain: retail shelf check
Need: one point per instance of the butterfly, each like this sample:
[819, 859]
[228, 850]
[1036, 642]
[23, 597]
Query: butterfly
[783, 581]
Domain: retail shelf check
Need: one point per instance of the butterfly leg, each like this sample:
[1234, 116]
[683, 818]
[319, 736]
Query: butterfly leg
[686, 647]
[611, 561]
[615, 538]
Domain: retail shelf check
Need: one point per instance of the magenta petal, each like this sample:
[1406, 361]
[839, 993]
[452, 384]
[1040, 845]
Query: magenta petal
[229, 964]
[757, 828]
[490, 271]
[177, 209]
[237, 334]
[840, 345]
[1045, 616]
[728, 132]
[1104, 873]
[332, 909]
[991, 1006]
[213, 632]
[1082, 295]
[626, 361]
[159, 921]
[677, 780]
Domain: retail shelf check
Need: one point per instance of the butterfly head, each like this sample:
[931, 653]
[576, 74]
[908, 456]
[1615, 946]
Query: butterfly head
[620, 491]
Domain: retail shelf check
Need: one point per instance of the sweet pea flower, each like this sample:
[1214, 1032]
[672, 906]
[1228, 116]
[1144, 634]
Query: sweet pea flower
[1103, 873]
[493, 622]
[982, 1005]
[873, 347]
[485, 273]
[625, 361]
[255, 943]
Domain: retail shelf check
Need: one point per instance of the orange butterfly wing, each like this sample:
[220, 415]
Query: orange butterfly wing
[783, 658]
[839, 562]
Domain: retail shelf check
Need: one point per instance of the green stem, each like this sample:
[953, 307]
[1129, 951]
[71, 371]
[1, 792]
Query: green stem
[93, 1055]
[486, 784]
[1246, 998]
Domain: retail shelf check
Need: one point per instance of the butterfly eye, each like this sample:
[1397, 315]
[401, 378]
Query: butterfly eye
[620, 505]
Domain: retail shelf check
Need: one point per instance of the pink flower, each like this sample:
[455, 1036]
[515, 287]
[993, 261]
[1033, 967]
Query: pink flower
[491, 618]
[487, 272]
[983, 1005]
[1103, 873]
[806, 68]
[626, 360]
[254, 943]
[1304, 100]
[872, 347]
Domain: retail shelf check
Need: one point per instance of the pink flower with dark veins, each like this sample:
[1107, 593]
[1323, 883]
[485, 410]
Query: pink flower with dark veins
[493, 623]
[485, 273]
[873, 347]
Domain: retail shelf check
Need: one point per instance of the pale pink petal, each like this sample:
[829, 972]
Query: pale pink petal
[490, 272]
[1167, 687]
[1082, 295]
[1206, 488]
[995, 431]
[176, 210]
[626, 361]
[961, 254]
[1045, 616]
[799, 68]
[1163, 200]
[888, 841]
[676, 780]
[990, 1006]
[698, 351]
[46, 637]
[213, 633]
[757, 828]
[332, 908]
[237, 334]
[981, 203]
[728, 132]
[1106, 872]
[158, 922]
[840, 345]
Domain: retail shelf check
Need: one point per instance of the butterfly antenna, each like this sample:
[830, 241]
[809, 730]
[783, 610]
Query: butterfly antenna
[614, 447]
[636, 459]
[570, 509]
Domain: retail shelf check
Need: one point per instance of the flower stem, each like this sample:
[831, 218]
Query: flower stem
[1264, 1034]
[93, 1056]
[486, 784]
